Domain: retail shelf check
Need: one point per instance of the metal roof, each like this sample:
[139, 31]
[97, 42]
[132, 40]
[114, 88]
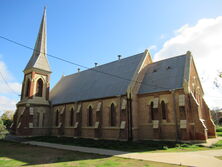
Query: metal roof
[164, 75]
[90, 84]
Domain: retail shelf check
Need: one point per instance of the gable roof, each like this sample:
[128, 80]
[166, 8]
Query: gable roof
[39, 59]
[90, 84]
[164, 75]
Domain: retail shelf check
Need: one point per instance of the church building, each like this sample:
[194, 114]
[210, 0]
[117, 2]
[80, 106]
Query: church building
[132, 98]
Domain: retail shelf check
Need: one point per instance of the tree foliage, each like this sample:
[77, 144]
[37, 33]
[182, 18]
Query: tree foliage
[7, 118]
[2, 129]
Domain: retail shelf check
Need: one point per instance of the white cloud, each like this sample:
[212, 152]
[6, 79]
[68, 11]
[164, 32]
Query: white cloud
[204, 40]
[8, 89]
[6, 81]
[152, 47]
[7, 104]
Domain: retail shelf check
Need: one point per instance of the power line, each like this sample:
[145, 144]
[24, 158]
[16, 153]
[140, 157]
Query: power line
[79, 65]
[213, 96]
[3, 78]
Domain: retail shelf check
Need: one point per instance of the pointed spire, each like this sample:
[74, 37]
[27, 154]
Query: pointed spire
[39, 57]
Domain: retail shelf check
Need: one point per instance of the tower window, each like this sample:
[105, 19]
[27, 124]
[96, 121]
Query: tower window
[28, 84]
[112, 115]
[39, 87]
[90, 116]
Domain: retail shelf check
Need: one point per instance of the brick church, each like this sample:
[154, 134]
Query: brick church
[128, 99]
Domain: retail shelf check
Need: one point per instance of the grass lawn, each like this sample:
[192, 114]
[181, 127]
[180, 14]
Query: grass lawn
[15, 155]
[219, 131]
[128, 146]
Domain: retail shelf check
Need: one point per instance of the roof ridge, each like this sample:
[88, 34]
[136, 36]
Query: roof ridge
[115, 61]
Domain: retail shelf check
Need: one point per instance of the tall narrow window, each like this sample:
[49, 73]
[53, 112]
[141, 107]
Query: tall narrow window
[39, 87]
[72, 117]
[43, 119]
[90, 116]
[152, 110]
[112, 115]
[163, 108]
[57, 118]
[182, 113]
[28, 84]
[38, 119]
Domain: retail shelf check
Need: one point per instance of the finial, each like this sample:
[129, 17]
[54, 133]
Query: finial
[188, 52]
[119, 56]
[78, 69]
[96, 64]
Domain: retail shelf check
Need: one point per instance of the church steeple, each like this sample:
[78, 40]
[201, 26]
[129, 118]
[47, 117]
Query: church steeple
[37, 72]
[39, 57]
[33, 109]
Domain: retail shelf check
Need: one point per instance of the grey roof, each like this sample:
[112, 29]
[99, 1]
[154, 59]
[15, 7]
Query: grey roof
[164, 75]
[90, 84]
[39, 58]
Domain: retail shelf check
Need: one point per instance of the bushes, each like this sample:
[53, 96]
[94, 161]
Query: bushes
[7, 118]
[3, 130]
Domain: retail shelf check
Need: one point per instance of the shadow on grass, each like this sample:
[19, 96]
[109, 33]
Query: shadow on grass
[127, 146]
[23, 155]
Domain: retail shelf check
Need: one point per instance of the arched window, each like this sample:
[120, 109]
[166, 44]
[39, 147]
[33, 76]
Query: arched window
[163, 108]
[90, 116]
[72, 117]
[57, 118]
[28, 84]
[112, 115]
[39, 87]
[152, 110]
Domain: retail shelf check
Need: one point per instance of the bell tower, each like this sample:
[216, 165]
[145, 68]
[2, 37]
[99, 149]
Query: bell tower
[33, 109]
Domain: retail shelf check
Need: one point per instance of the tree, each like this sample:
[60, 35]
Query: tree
[7, 118]
[2, 129]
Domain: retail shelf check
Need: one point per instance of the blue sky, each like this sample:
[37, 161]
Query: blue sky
[89, 31]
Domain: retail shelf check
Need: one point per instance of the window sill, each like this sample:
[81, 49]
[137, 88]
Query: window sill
[88, 127]
[111, 127]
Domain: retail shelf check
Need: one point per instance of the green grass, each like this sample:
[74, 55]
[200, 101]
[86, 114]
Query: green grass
[217, 145]
[219, 134]
[128, 146]
[219, 131]
[131, 146]
[219, 128]
[15, 155]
